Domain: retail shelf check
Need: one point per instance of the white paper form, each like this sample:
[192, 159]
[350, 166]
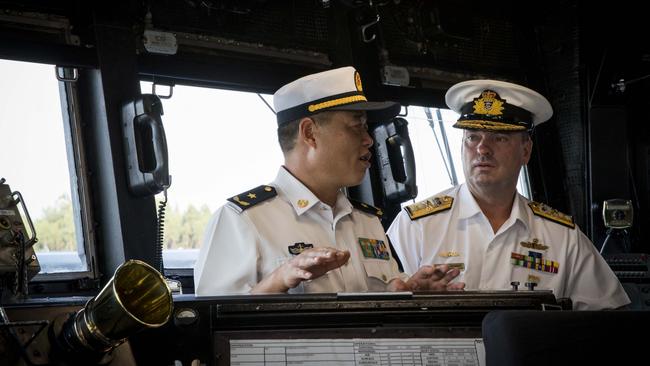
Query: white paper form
[358, 352]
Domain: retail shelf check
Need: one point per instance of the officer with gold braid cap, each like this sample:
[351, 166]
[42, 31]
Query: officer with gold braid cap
[497, 238]
[300, 233]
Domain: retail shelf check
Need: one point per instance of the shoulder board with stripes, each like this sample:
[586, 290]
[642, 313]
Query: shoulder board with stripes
[367, 208]
[430, 206]
[548, 212]
[251, 198]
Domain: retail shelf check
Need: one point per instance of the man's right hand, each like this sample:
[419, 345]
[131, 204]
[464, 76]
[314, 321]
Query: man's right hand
[308, 265]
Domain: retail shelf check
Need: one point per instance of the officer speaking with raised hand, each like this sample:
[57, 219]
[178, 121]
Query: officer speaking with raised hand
[300, 233]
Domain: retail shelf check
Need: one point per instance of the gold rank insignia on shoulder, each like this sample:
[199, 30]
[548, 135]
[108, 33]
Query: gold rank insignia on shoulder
[367, 208]
[534, 244]
[251, 198]
[298, 248]
[430, 206]
[547, 212]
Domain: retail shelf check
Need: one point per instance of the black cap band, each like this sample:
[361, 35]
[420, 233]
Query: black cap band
[510, 114]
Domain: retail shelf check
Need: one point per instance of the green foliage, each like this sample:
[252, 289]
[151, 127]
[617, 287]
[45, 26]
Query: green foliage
[184, 230]
[56, 229]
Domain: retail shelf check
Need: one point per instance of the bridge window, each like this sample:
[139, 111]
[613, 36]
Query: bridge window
[220, 143]
[39, 160]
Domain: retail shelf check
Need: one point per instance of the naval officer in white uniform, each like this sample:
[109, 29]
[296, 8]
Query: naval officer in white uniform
[488, 231]
[300, 233]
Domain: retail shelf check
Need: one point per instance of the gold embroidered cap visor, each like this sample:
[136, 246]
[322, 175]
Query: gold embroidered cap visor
[333, 90]
[497, 106]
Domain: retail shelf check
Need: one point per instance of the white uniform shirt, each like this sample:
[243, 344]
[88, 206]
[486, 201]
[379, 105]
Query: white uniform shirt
[240, 249]
[464, 235]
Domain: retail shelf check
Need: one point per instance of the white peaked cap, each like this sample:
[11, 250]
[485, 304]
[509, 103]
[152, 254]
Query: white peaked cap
[337, 89]
[513, 107]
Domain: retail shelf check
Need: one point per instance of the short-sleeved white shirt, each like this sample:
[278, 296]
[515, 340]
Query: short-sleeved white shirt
[464, 235]
[241, 248]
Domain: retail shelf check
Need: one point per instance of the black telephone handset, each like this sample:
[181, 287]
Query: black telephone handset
[396, 160]
[146, 146]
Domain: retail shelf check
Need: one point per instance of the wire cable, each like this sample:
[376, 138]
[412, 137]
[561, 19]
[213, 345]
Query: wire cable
[160, 234]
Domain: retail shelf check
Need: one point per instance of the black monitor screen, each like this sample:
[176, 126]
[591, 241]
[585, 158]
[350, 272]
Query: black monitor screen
[515, 337]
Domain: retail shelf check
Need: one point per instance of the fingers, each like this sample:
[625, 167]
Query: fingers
[317, 257]
[317, 262]
[282, 279]
[298, 273]
[397, 285]
[327, 264]
[291, 276]
[456, 286]
[449, 275]
[436, 278]
[342, 257]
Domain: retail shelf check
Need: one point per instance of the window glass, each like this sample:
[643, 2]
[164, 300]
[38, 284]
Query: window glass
[38, 162]
[220, 143]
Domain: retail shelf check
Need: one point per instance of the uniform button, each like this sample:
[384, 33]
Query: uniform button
[383, 277]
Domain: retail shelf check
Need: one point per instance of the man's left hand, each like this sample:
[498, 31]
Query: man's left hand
[429, 278]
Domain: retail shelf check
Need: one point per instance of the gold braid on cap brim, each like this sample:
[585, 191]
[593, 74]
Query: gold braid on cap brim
[488, 125]
[336, 102]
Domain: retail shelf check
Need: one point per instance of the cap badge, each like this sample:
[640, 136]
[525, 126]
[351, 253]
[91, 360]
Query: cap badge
[303, 203]
[489, 103]
[357, 81]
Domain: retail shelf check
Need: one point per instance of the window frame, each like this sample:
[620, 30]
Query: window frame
[81, 193]
[55, 28]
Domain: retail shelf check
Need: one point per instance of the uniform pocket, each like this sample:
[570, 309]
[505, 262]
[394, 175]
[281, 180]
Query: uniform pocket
[378, 269]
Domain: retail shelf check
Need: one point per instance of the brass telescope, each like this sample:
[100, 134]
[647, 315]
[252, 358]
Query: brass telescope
[136, 298]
